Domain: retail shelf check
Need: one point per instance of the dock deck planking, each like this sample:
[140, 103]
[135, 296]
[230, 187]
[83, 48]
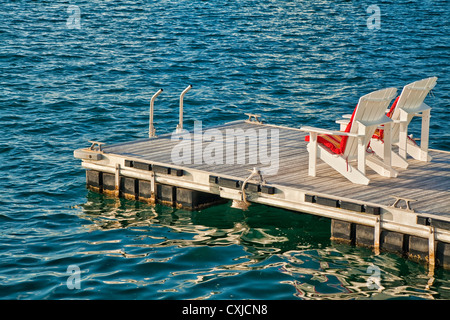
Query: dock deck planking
[428, 183]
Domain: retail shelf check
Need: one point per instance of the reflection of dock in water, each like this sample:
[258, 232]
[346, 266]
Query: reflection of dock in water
[228, 242]
[220, 225]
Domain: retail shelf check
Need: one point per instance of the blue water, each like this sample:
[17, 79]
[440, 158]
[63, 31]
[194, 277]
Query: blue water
[293, 62]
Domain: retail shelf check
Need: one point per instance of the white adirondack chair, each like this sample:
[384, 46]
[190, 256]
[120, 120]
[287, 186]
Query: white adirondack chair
[409, 105]
[368, 115]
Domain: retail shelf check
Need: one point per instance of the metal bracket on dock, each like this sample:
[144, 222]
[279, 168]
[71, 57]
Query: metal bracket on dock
[407, 202]
[255, 117]
[94, 152]
[243, 203]
[98, 144]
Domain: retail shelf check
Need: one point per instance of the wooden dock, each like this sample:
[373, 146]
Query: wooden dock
[409, 214]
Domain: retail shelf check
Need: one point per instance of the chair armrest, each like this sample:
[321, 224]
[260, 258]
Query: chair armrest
[330, 132]
[424, 107]
[421, 108]
[345, 122]
[342, 121]
[383, 120]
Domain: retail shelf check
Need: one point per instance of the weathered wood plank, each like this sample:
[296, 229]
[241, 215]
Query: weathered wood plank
[429, 183]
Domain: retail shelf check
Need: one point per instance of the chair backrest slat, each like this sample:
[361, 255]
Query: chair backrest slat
[410, 100]
[371, 109]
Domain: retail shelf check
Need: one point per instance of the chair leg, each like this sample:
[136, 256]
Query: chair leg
[383, 167]
[424, 136]
[380, 167]
[387, 145]
[343, 167]
[403, 134]
[361, 149]
[417, 152]
[396, 160]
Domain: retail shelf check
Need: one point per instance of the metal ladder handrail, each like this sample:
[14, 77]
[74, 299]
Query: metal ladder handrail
[151, 128]
[180, 123]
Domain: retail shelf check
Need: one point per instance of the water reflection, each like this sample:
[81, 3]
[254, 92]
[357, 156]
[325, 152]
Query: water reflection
[197, 249]
[330, 273]
[107, 213]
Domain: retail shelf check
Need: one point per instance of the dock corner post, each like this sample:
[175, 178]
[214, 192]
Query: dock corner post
[117, 180]
[180, 123]
[152, 188]
[431, 257]
[431, 250]
[377, 235]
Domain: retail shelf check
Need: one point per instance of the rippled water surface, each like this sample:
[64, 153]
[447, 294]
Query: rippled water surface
[293, 62]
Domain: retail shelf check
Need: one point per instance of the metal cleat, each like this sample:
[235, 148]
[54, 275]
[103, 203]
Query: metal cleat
[255, 117]
[98, 144]
[407, 202]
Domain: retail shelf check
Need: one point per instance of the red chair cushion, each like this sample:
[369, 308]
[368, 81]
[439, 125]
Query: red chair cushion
[335, 143]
